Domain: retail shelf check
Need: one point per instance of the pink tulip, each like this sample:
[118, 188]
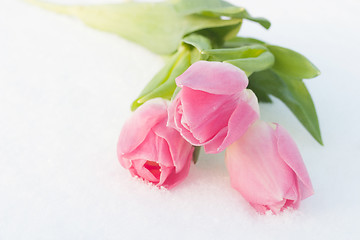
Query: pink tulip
[266, 167]
[151, 150]
[213, 109]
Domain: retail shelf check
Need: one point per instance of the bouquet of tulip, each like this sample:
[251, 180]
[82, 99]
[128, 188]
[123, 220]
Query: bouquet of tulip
[207, 95]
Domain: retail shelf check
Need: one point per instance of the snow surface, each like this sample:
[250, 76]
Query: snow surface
[65, 91]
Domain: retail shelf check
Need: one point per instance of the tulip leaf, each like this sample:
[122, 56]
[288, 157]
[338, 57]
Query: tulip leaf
[254, 64]
[251, 59]
[227, 32]
[157, 80]
[195, 22]
[156, 26]
[216, 8]
[186, 7]
[239, 12]
[241, 41]
[261, 95]
[287, 61]
[235, 53]
[219, 35]
[196, 40]
[163, 83]
[293, 93]
[292, 64]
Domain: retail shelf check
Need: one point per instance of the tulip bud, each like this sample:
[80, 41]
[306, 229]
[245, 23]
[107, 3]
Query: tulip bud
[213, 108]
[152, 151]
[265, 166]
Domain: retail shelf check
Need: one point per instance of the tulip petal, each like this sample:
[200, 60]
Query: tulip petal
[176, 178]
[291, 155]
[177, 149]
[172, 111]
[161, 145]
[175, 119]
[256, 169]
[293, 198]
[214, 145]
[142, 171]
[154, 168]
[277, 207]
[166, 172]
[145, 151]
[206, 114]
[245, 114]
[213, 77]
[139, 124]
[262, 209]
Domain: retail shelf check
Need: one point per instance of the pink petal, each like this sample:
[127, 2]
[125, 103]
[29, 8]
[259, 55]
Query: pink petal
[293, 198]
[206, 114]
[291, 155]
[256, 169]
[172, 110]
[177, 177]
[143, 172]
[175, 145]
[260, 208]
[213, 77]
[175, 120]
[139, 124]
[277, 207]
[154, 168]
[145, 151]
[161, 145]
[245, 114]
[166, 172]
[213, 146]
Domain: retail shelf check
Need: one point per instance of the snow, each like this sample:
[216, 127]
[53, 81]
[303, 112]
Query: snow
[65, 91]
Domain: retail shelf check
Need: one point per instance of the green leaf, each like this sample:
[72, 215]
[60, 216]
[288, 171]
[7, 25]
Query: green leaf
[293, 64]
[163, 83]
[186, 7]
[137, 22]
[227, 32]
[195, 22]
[219, 35]
[198, 43]
[248, 58]
[287, 62]
[293, 93]
[238, 12]
[216, 8]
[222, 54]
[261, 95]
[157, 80]
[196, 40]
[156, 26]
[254, 64]
[241, 41]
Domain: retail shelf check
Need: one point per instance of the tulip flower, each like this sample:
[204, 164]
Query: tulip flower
[151, 150]
[213, 109]
[265, 166]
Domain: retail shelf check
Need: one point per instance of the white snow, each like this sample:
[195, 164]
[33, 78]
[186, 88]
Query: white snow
[65, 90]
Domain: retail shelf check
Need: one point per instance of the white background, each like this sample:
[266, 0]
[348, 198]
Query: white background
[65, 91]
